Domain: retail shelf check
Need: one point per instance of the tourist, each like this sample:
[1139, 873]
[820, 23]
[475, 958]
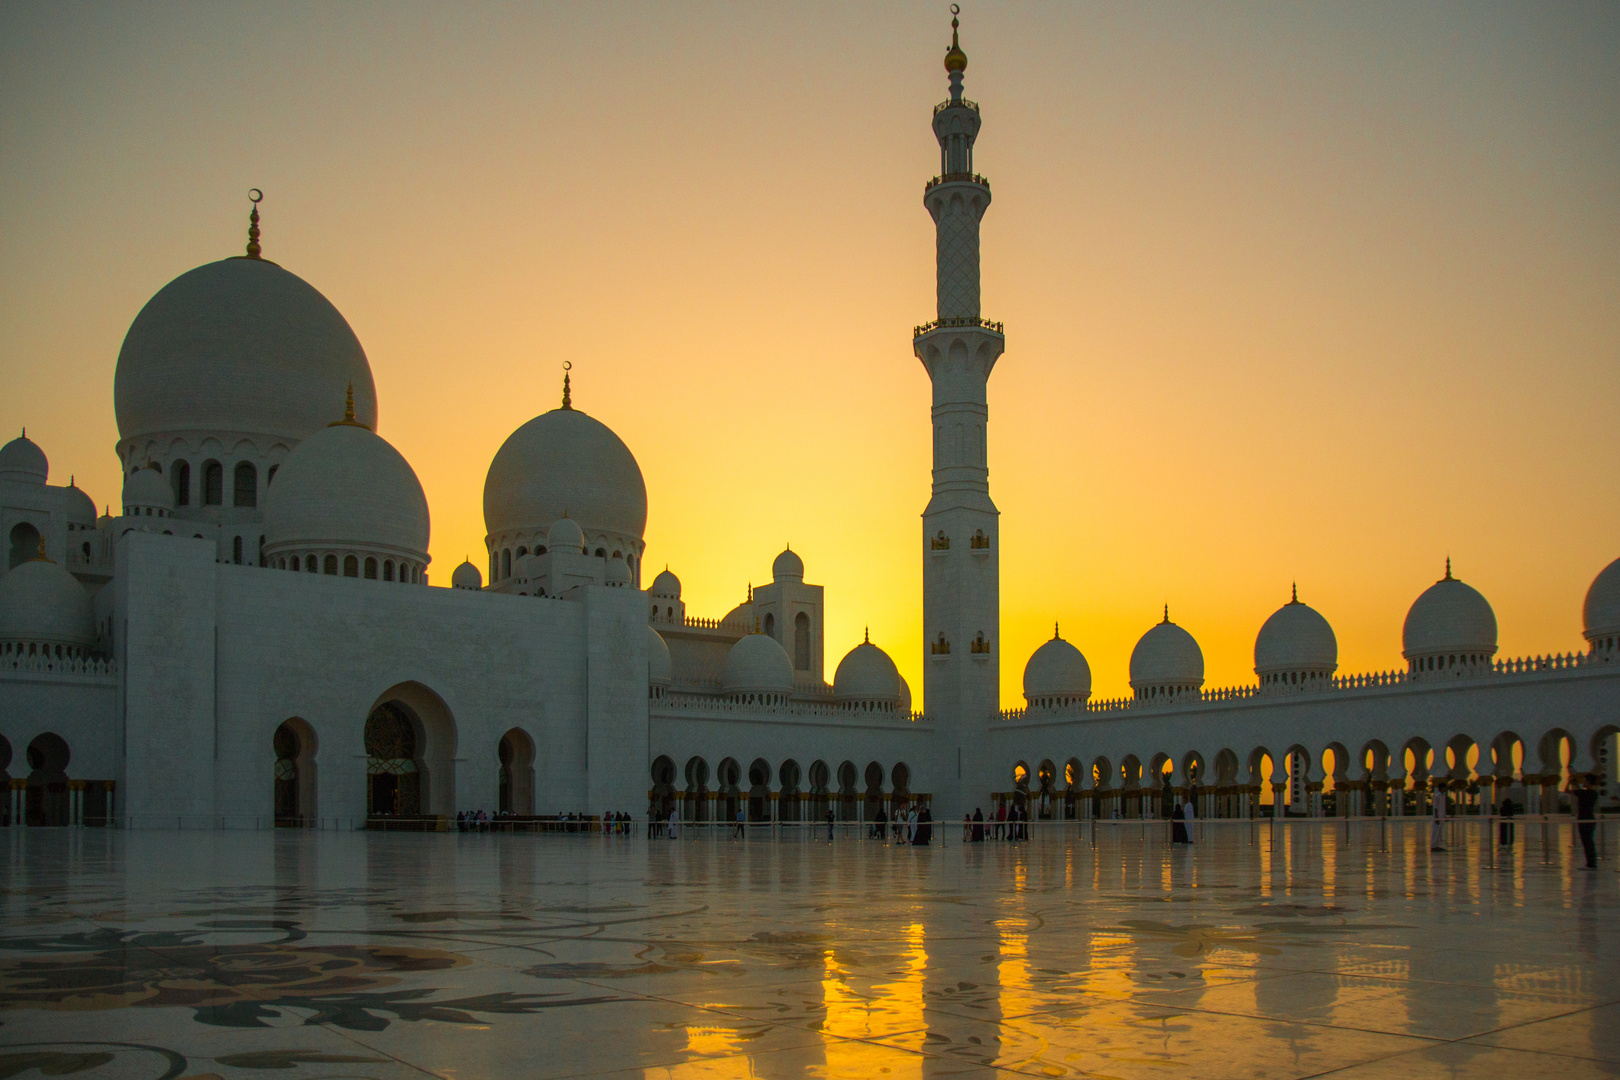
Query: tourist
[925, 830]
[1001, 820]
[1586, 799]
[1438, 824]
[978, 825]
[829, 826]
[1178, 825]
[674, 826]
[880, 826]
[967, 828]
[1188, 816]
[740, 833]
[1504, 831]
[911, 825]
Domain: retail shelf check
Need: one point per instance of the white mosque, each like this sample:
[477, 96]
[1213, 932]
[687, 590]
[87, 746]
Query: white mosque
[253, 639]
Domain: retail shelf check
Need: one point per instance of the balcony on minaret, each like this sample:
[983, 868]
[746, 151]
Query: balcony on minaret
[979, 541]
[979, 645]
[941, 647]
[941, 542]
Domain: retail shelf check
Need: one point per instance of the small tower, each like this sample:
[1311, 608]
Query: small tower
[961, 542]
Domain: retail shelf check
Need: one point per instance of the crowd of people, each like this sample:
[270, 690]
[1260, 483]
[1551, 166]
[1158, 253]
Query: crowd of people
[910, 825]
[1009, 823]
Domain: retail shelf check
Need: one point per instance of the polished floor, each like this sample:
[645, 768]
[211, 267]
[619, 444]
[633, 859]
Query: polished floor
[1317, 950]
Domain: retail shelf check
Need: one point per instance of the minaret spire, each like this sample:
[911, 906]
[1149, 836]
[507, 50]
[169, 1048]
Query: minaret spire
[255, 196]
[568, 403]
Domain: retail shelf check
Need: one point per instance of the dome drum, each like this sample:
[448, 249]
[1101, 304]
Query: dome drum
[370, 563]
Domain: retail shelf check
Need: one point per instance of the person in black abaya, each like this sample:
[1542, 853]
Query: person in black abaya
[978, 825]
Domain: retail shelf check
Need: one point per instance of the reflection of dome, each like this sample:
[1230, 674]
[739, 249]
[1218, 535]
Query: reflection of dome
[1295, 646]
[1451, 624]
[80, 508]
[146, 490]
[1166, 662]
[564, 463]
[466, 576]
[618, 572]
[660, 669]
[22, 462]
[239, 345]
[344, 488]
[564, 535]
[1600, 616]
[43, 604]
[1057, 675]
[757, 665]
[666, 586]
[867, 676]
[787, 565]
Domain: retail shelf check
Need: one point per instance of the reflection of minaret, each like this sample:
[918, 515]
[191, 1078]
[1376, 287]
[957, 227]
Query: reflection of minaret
[961, 548]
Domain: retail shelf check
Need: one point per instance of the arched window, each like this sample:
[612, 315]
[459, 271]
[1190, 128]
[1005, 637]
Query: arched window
[520, 552]
[24, 543]
[506, 563]
[246, 488]
[601, 553]
[180, 477]
[213, 483]
[270, 477]
[309, 564]
[801, 641]
[540, 549]
[330, 565]
[388, 569]
[770, 623]
[351, 566]
[86, 547]
[371, 569]
[236, 550]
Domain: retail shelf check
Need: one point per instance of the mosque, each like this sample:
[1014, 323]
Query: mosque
[254, 639]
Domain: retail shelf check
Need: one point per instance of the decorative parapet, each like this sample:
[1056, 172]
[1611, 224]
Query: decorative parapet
[87, 667]
[957, 178]
[689, 699]
[964, 102]
[963, 322]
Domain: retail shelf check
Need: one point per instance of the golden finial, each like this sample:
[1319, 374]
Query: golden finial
[1167, 613]
[254, 197]
[756, 625]
[866, 638]
[1295, 600]
[568, 365]
[1448, 568]
[348, 412]
[42, 557]
[1055, 634]
[955, 58]
[750, 592]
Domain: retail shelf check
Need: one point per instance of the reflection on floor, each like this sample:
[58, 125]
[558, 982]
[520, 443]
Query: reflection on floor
[1251, 954]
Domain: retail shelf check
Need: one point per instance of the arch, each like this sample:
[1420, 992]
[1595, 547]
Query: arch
[310, 566]
[245, 485]
[787, 796]
[900, 779]
[371, 568]
[236, 550]
[506, 564]
[759, 790]
[516, 781]
[180, 480]
[801, 642]
[697, 790]
[294, 745]
[410, 763]
[329, 565]
[662, 799]
[351, 566]
[848, 777]
[24, 543]
[820, 783]
[388, 569]
[873, 776]
[728, 781]
[770, 624]
[213, 486]
[46, 801]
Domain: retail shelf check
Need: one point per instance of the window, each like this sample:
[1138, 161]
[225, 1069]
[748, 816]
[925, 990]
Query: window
[940, 542]
[213, 483]
[601, 553]
[770, 624]
[540, 549]
[330, 565]
[309, 564]
[801, 641]
[180, 477]
[388, 569]
[506, 563]
[371, 569]
[351, 566]
[236, 550]
[270, 477]
[246, 492]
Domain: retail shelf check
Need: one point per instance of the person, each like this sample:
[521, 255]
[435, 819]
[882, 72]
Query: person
[740, 827]
[1188, 816]
[1178, 825]
[674, 826]
[1437, 827]
[1586, 799]
[880, 826]
[911, 825]
[829, 825]
[925, 830]
[1504, 831]
[978, 825]
[1001, 819]
[967, 828]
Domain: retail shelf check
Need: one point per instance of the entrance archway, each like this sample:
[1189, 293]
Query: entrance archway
[516, 753]
[410, 739]
[47, 801]
[294, 798]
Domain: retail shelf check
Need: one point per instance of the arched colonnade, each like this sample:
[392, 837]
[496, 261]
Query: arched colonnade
[786, 793]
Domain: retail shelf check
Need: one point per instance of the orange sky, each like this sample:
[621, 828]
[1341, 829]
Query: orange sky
[1321, 292]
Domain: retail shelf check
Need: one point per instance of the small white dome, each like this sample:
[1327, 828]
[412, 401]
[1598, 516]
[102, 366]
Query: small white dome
[1167, 656]
[41, 603]
[80, 508]
[905, 696]
[564, 535]
[618, 572]
[238, 345]
[666, 586]
[1450, 619]
[866, 674]
[564, 463]
[146, 487]
[787, 566]
[1600, 615]
[1296, 639]
[741, 615]
[1057, 670]
[660, 669]
[346, 487]
[23, 462]
[757, 665]
[466, 576]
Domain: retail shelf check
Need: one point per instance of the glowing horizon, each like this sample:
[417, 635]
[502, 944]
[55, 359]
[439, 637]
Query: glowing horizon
[1313, 295]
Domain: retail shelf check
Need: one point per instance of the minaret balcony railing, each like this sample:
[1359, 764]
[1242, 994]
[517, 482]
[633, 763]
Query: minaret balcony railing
[948, 103]
[956, 323]
[957, 178]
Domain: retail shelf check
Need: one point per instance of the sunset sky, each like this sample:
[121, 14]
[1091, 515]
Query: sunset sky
[1316, 292]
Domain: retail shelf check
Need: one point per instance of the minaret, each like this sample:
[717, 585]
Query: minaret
[961, 542]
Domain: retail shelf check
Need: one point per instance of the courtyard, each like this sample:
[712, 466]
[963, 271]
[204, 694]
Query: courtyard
[1088, 951]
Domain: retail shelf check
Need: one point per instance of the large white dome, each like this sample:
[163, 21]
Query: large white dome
[23, 462]
[239, 345]
[345, 487]
[42, 604]
[1450, 619]
[757, 665]
[1600, 615]
[1295, 639]
[1167, 657]
[1057, 674]
[466, 576]
[564, 463]
[867, 674]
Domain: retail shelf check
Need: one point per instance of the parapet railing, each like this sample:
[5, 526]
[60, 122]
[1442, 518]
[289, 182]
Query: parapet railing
[956, 178]
[714, 624]
[956, 323]
[688, 698]
[947, 103]
[39, 663]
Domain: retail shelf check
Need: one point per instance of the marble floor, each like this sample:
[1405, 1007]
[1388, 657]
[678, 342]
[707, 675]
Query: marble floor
[1307, 952]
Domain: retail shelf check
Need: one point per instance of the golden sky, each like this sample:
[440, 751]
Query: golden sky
[1292, 292]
